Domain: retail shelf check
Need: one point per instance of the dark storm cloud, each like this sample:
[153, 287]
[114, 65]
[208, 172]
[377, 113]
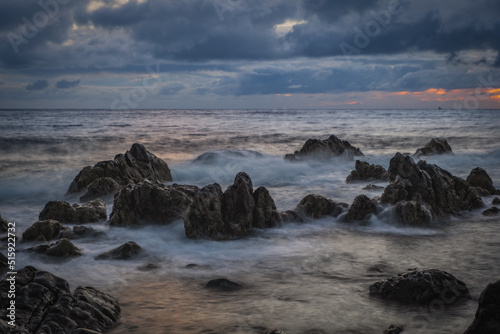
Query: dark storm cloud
[65, 84]
[38, 85]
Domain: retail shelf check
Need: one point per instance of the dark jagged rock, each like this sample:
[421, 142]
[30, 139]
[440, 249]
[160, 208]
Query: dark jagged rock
[265, 214]
[80, 232]
[487, 318]
[493, 211]
[64, 212]
[325, 149]
[496, 201]
[204, 217]
[123, 252]
[148, 203]
[232, 214]
[480, 191]
[4, 262]
[373, 187]
[133, 167]
[360, 210]
[413, 213]
[420, 287]
[239, 205]
[364, 171]
[222, 284]
[4, 225]
[479, 178]
[394, 329]
[434, 147]
[45, 230]
[61, 248]
[44, 304]
[104, 187]
[317, 206]
[428, 184]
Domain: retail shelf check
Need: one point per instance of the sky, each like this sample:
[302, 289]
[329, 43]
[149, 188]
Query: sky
[250, 54]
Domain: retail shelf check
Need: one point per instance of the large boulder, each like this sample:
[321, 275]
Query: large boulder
[45, 230]
[428, 184]
[325, 149]
[421, 287]
[149, 203]
[487, 319]
[123, 252]
[232, 214]
[364, 171]
[434, 147]
[62, 248]
[480, 179]
[360, 210]
[133, 167]
[64, 212]
[317, 206]
[44, 304]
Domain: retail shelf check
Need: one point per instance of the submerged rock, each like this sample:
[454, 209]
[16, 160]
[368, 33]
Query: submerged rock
[61, 248]
[45, 230]
[133, 167]
[317, 206]
[325, 149]
[434, 147]
[493, 211]
[222, 284]
[373, 187]
[420, 287]
[80, 232]
[360, 210]
[290, 216]
[44, 304]
[123, 252]
[429, 185]
[480, 179]
[364, 171]
[394, 329]
[274, 331]
[148, 203]
[487, 318]
[64, 212]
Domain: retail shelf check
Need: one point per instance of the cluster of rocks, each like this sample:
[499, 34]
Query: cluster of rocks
[325, 149]
[364, 171]
[108, 177]
[436, 146]
[45, 304]
[64, 212]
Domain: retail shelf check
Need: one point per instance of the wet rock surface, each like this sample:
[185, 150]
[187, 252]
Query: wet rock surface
[148, 203]
[4, 225]
[360, 210]
[364, 171]
[394, 329]
[479, 178]
[493, 211]
[80, 232]
[44, 304]
[434, 147]
[332, 147]
[135, 166]
[317, 206]
[45, 230]
[104, 187]
[413, 213]
[421, 287]
[430, 185]
[61, 248]
[91, 212]
[124, 252]
[487, 318]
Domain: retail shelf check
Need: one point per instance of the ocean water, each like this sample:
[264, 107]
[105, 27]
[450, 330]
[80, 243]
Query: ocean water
[299, 277]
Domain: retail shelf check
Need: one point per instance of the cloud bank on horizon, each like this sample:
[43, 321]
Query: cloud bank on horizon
[250, 54]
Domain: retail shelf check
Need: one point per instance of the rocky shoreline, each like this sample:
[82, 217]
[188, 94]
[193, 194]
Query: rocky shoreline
[417, 194]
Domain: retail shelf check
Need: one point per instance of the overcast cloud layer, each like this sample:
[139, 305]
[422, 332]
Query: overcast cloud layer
[249, 54]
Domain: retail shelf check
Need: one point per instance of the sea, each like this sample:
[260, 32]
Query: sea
[301, 278]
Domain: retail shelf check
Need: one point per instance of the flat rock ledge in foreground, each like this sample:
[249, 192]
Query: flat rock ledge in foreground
[44, 304]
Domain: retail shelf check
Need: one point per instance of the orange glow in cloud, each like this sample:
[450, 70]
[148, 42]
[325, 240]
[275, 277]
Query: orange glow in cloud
[352, 102]
[493, 91]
